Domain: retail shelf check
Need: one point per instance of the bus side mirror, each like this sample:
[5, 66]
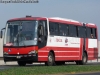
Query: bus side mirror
[1, 33]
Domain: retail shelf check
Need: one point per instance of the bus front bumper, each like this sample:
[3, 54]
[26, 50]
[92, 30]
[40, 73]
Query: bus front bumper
[33, 58]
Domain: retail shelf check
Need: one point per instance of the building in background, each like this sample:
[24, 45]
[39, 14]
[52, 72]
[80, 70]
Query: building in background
[1, 48]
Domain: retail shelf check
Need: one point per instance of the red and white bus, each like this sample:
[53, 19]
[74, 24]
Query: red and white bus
[51, 40]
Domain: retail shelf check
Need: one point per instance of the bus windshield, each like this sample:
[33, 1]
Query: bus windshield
[21, 33]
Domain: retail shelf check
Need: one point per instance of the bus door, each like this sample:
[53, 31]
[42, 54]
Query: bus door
[42, 34]
[84, 37]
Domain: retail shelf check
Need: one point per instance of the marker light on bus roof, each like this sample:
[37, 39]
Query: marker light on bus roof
[91, 23]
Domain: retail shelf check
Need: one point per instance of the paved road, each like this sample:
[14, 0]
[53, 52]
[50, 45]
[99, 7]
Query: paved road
[93, 73]
[4, 67]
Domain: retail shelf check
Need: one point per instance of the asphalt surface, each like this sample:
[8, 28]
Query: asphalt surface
[3, 67]
[97, 73]
[93, 73]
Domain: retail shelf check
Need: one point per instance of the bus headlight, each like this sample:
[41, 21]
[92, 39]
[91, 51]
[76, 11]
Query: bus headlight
[32, 52]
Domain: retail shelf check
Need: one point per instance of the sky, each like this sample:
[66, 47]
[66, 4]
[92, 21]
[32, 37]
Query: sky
[87, 11]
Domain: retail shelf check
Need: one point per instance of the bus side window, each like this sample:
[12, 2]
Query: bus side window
[88, 32]
[72, 31]
[51, 28]
[56, 28]
[60, 30]
[77, 31]
[63, 30]
[81, 32]
[94, 33]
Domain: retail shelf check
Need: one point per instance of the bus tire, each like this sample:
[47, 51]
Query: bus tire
[51, 60]
[21, 63]
[84, 59]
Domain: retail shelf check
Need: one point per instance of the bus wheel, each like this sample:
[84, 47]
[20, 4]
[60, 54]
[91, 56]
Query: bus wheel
[21, 63]
[51, 60]
[84, 59]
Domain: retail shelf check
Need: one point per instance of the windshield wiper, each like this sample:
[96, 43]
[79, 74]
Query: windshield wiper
[17, 37]
[23, 41]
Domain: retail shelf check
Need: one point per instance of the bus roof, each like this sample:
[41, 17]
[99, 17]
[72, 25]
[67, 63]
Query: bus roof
[64, 20]
[28, 18]
[91, 25]
[55, 19]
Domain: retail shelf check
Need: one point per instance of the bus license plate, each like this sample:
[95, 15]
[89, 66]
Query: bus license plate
[18, 57]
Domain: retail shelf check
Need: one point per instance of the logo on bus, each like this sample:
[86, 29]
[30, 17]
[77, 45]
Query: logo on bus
[9, 50]
[66, 40]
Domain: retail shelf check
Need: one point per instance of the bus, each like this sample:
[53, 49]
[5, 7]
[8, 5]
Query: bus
[53, 41]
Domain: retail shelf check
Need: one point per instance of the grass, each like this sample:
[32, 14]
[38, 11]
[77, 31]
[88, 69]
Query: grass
[44, 70]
